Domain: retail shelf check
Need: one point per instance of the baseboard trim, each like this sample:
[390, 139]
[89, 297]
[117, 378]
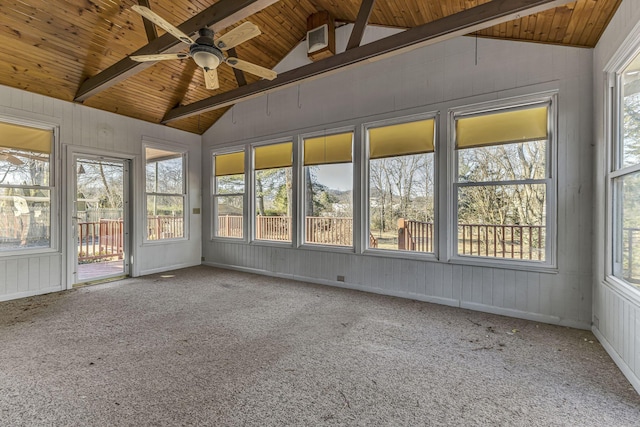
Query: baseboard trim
[626, 370]
[167, 268]
[553, 320]
[26, 294]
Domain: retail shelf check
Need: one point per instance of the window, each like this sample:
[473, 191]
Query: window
[165, 193]
[502, 182]
[401, 185]
[25, 187]
[228, 195]
[328, 189]
[625, 177]
[273, 186]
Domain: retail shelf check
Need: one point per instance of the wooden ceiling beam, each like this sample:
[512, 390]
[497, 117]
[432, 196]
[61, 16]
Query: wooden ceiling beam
[465, 22]
[218, 16]
[240, 78]
[366, 7]
[149, 28]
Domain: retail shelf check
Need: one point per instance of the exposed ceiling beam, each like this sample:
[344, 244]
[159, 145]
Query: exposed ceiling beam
[149, 28]
[467, 21]
[218, 16]
[240, 78]
[366, 7]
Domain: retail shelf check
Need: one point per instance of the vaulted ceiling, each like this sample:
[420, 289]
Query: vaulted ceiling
[78, 49]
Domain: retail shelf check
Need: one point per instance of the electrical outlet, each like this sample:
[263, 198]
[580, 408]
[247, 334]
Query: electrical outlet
[340, 278]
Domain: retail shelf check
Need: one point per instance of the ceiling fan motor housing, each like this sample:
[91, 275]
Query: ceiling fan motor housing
[204, 52]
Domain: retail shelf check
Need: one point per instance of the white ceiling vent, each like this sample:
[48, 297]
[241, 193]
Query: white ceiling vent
[318, 38]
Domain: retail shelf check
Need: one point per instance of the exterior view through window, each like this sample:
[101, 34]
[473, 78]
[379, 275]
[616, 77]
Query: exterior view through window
[401, 186]
[502, 178]
[228, 197]
[25, 187]
[165, 194]
[328, 189]
[273, 185]
[626, 178]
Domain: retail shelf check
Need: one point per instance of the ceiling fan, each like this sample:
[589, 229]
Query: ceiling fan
[205, 51]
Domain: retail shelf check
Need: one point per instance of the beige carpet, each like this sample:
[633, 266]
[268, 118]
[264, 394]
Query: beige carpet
[216, 347]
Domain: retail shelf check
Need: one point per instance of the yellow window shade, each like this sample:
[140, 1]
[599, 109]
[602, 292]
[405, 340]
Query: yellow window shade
[273, 156]
[502, 128]
[25, 138]
[402, 139]
[328, 149]
[230, 164]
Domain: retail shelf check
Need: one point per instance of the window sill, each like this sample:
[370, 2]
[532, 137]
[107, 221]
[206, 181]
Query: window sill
[327, 248]
[506, 265]
[28, 253]
[419, 256]
[218, 239]
[623, 288]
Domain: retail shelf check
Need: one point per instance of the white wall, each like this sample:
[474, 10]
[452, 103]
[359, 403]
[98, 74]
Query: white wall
[616, 311]
[437, 77]
[84, 129]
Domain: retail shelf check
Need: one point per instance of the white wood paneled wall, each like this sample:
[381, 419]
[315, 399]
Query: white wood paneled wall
[616, 313]
[83, 128]
[434, 78]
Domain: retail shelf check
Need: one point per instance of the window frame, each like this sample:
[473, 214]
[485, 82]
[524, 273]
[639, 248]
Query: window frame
[183, 151]
[55, 225]
[548, 98]
[251, 193]
[301, 184]
[364, 157]
[215, 195]
[613, 98]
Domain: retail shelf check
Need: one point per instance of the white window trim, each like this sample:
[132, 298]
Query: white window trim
[177, 148]
[245, 213]
[301, 219]
[55, 162]
[251, 191]
[627, 51]
[366, 219]
[551, 181]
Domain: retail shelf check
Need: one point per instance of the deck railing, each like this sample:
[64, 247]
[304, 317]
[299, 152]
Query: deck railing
[329, 230]
[415, 235]
[273, 228]
[229, 226]
[100, 240]
[165, 227]
[525, 242]
[631, 254]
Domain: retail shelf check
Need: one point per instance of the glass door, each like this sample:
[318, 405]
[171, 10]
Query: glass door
[100, 218]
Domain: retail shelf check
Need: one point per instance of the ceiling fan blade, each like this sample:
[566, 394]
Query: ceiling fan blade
[211, 79]
[159, 57]
[252, 68]
[240, 34]
[160, 22]
[11, 159]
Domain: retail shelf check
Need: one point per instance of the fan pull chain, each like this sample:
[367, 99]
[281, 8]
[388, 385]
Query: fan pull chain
[268, 112]
[299, 104]
[233, 118]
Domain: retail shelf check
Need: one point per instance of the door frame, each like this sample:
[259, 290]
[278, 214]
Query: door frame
[71, 153]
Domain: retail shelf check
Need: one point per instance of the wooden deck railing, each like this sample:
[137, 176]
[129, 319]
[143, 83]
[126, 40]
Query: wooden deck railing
[329, 230]
[229, 226]
[631, 254]
[502, 241]
[273, 228]
[415, 235]
[100, 240]
[165, 227]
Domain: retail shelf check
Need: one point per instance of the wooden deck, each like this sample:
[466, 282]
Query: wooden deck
[99, 270]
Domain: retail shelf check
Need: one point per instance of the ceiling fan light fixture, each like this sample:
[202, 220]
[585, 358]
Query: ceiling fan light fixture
[206, 57]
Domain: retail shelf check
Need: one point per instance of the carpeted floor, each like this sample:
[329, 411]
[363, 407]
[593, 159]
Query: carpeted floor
[216, 347]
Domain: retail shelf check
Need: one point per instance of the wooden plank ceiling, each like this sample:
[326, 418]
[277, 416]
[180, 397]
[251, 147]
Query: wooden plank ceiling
[51, 47]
